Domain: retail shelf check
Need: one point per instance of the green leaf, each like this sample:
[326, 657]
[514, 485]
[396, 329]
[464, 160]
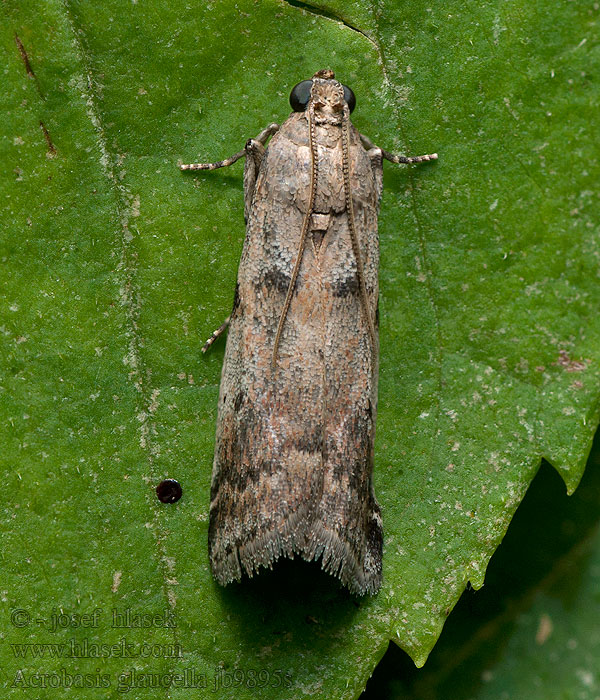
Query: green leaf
[532, 631]
[117, 267]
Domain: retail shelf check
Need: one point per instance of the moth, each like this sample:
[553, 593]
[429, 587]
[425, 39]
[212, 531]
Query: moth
[293, 464]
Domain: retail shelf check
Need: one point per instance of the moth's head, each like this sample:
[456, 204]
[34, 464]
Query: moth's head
[324, 95]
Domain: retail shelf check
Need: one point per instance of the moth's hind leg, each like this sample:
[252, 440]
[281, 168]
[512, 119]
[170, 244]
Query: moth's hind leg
[215, 334]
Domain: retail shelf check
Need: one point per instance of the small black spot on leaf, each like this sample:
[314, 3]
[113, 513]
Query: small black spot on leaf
[169, 491]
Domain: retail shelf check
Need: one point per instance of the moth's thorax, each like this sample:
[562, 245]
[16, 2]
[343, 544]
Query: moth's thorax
[328, 135]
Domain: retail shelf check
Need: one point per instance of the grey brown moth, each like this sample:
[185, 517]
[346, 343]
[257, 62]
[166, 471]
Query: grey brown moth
[293, 461]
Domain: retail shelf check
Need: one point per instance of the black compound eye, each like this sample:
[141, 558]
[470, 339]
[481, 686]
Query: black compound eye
[300, 95]
[350, 99]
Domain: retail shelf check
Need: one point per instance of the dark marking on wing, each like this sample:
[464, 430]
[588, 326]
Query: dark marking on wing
[239, 400]
[236, 299]
[374, 533]
[311, 441]
[274, 278]
[346, 287]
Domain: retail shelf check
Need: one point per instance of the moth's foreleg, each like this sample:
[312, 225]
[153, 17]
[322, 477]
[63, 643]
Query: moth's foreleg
[220, 330]
[255, 152]
[213, 166]
[249, 147]
[266, 133]
[393, 158]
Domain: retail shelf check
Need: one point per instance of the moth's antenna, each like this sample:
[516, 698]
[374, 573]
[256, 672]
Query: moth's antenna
[312, 142]
[350, 209]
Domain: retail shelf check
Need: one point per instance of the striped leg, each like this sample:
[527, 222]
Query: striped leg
[213, 166]
[220, 330]
[403, 159]
[261, 138]
[369, 145]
